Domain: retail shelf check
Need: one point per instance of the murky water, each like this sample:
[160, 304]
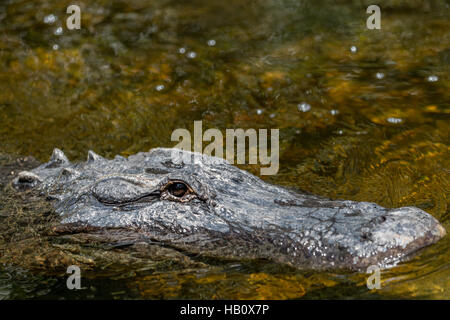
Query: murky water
[363, 115]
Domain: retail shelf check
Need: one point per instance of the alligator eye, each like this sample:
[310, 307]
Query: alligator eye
[178, 189]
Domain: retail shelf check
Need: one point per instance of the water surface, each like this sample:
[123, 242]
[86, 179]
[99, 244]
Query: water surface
[363, 115]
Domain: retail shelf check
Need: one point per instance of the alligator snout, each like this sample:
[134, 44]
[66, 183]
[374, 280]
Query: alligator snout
[343, 234]
[406, 230]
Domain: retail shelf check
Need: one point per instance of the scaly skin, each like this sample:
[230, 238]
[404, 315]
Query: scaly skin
[225, 212]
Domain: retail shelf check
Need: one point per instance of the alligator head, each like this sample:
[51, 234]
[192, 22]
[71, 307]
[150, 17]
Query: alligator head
[212, 207]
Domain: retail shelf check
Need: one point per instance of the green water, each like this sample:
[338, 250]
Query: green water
[377, 128]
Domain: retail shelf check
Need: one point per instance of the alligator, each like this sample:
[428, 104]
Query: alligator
[209, 207]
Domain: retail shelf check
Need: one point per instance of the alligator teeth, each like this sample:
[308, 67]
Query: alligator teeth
[92, 156]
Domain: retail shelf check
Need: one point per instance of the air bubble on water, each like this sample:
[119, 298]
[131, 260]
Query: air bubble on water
[211, 43]
[394, 120]
[51, 18]
[304, 107]
[259, 111]
[432, 78]
[159, 87]
[353, 49]
[58, 31]
[192, 55]
[334, 112]
[182, 50]
[55, 47]
[340, 132]
[379, 75]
